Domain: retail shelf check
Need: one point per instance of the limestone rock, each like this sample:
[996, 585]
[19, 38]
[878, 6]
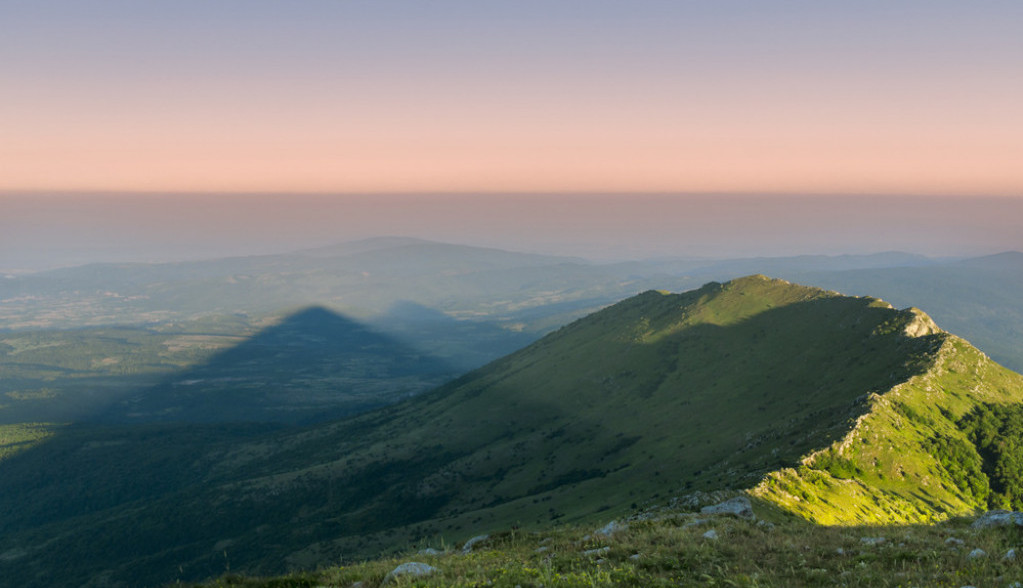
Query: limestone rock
[998, 518]
[413, 569]
[611, 528]
[739, 506]
[467, 548]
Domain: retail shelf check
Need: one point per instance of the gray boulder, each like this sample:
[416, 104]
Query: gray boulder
[611, 528]
[467, 548]
[413, 569]
[739, 506]
[998, 518]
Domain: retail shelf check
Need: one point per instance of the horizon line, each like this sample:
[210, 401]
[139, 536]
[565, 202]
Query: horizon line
[4, 192]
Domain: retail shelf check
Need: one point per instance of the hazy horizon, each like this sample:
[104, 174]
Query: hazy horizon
[40, 231]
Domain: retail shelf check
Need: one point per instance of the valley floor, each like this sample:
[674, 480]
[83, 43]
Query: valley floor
[686, 549]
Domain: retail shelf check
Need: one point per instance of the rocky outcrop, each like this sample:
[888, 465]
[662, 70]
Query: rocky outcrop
[611, 528]
[467, 548]
[998, 518]
[412, 569]
[739, 506]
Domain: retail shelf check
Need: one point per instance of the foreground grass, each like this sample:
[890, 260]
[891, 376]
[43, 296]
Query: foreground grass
[673, 550]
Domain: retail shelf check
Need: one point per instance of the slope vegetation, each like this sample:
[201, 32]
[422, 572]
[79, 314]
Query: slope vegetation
[755, 383]
[911, 457]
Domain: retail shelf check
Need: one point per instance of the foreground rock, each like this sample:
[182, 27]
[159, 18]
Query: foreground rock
[467, 548]
[611, 528]
[413, 569]
[739, 506]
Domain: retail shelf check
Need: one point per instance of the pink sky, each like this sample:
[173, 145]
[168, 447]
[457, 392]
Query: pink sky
[459, 96]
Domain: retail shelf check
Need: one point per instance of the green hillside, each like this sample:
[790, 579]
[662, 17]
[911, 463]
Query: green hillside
[755, 383]
[912, 457]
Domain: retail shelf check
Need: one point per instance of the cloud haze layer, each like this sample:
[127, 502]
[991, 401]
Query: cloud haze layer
[40, 230]
[523, 95]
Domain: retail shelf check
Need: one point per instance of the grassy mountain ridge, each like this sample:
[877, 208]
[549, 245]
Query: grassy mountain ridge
[754, 383]
[908, 459]
[975, 298]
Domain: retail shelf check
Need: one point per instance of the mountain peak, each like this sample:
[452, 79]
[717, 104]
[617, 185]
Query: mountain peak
[920, 324]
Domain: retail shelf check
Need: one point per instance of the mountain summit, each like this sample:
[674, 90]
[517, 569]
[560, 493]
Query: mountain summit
[837, 409]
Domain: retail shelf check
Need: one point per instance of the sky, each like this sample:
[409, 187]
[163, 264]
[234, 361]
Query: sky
[152, 129]
[513, 95]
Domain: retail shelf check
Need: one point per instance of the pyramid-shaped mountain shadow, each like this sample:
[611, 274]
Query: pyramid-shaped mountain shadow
[464, 344]
[315, 365]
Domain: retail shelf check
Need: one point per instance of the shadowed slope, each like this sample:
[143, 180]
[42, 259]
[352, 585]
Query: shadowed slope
[313, 366]
[978, 299]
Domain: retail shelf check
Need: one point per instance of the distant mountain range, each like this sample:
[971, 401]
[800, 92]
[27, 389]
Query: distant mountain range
[823, 406]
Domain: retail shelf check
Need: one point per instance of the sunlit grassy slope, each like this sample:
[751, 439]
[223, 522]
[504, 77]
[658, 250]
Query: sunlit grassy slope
[21, 437]
[657, 396]
[906, 460]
